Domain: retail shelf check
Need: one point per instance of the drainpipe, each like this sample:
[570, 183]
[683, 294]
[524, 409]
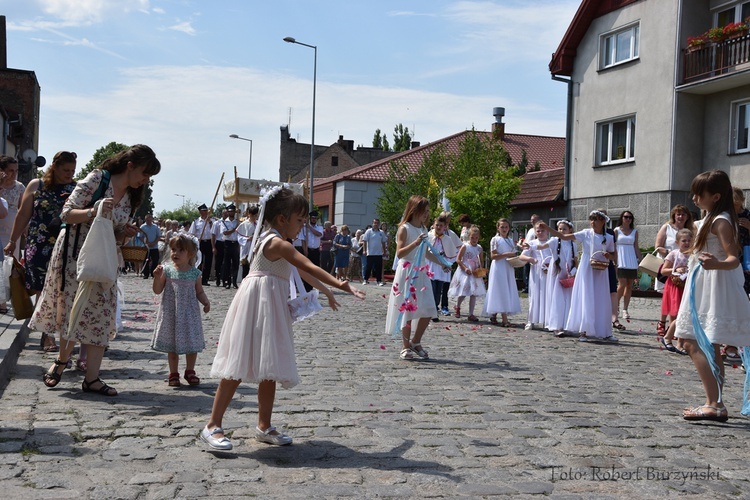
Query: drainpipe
[568, 133]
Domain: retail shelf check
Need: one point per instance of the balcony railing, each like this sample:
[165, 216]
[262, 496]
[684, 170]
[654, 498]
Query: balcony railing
[715, 59]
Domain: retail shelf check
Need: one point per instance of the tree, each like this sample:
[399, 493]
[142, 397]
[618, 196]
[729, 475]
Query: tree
[187, 212]
[524, 163]
[108, 151]
[401, 138]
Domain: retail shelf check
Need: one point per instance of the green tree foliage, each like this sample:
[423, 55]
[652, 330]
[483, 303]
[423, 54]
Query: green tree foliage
[524, 163]
[108, 151]
[187, 212]
[480, 181]
[401, 138]
[380, 141]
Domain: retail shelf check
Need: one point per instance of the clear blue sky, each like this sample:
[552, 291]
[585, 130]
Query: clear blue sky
[182, 75]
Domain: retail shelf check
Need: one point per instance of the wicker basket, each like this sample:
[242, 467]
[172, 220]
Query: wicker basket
[567, 282]
[479, 272]
[135, 254]
[597, 264]
[515, 262]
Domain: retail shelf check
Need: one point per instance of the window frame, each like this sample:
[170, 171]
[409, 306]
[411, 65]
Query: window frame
[734, 136]
[635, 49]
[629, 141]
[737, 7]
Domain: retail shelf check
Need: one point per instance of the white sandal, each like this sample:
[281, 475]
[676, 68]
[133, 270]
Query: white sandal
[420, 351]
[408, 354]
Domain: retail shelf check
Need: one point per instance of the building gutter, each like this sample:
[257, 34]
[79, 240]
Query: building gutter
[568, 135]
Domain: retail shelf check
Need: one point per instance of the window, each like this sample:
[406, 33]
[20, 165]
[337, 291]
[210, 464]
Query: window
[741, 128]
[334, 161]
[616, 141]
[619, 46]
[734, 14]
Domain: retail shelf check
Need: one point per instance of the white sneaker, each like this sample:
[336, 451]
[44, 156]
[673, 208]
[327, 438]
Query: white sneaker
[222, 443]
[625, 314]
[380, 283]
[364, 282]
[528, 326]
[611, 338]
[267, 436]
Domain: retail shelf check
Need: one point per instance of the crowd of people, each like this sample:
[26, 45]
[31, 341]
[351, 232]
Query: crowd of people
[576, 279]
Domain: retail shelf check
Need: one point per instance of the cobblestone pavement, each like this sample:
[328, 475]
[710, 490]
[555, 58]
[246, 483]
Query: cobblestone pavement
[496, 411]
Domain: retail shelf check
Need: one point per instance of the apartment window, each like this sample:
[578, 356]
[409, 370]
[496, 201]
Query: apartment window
[619, 46]
[741, 127]
[734, 14]
[616, 141]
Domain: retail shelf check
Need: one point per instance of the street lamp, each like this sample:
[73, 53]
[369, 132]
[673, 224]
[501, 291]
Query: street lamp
[289, 39]
[183, 198]
[249, 163]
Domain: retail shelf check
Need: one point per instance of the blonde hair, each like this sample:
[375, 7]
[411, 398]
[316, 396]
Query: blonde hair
[185, 242]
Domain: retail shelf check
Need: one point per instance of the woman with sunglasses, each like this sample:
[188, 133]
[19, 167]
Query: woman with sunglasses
[628, 257]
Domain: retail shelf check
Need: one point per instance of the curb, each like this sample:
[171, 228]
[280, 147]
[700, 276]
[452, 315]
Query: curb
[12, 341]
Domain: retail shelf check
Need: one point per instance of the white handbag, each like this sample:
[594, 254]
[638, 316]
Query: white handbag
[301, 304]
[97, 259]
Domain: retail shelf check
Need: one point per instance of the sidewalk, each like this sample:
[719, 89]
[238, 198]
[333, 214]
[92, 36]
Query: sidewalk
[496, 411]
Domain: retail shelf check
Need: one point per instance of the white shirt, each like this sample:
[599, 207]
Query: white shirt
[376, 240]
[313, 241]
[226, 225]
[197, 227]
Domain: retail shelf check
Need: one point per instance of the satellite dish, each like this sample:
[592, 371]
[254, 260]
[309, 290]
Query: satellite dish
[29, 156]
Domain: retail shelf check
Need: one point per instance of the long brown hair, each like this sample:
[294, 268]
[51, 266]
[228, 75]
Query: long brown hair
[710, 183]
[416, 204]
[689, 221]
[141, 156]
[48, 179]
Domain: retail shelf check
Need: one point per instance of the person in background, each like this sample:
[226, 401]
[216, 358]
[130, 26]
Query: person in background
[217, 243]
[231, 263]
[628, 257]
[151, 236]
[326, 245]
[245, 237]
[41, 205]
[313, 233]
[355, 259]
[201, 229]
[342, 242]
[374, 241]
[11, 191]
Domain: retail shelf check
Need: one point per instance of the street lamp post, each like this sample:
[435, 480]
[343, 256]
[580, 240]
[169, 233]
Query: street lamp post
[183, 198]
[250, 162]
[290, 39]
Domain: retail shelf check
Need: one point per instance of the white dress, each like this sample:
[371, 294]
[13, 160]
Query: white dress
[411, 293]
[256, 341]
[720, 299]
[466, 285]
[538, 282]
[626, 256]
[590, 305]
[558, 298]
[502, 291]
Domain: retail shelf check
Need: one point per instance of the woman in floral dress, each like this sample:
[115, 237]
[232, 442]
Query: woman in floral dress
[40, 209]
[129, 172]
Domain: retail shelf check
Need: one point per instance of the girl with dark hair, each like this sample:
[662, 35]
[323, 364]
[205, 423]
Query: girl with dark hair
[119, 192]
[40, 209]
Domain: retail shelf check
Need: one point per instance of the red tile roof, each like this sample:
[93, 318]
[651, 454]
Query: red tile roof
[541, 187]
[564, 56]
[548, 151]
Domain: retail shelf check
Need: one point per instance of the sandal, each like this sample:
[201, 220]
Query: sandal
[408, 355]
[697, 413]
[417, 348]
[192, 378]
[52, 377]
[493, 319]
[616, 324]
[506, 324]
[174, 380]
[81, 365]
[472, 318]
[47, 343]
[457, 312]
[104, 390]
[661, 328]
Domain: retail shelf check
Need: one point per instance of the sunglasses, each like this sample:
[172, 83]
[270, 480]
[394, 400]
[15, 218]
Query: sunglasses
[627, 216]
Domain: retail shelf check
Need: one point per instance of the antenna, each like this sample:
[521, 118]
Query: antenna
[289, 119]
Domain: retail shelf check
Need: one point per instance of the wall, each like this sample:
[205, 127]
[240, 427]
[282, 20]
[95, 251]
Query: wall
[355, 203]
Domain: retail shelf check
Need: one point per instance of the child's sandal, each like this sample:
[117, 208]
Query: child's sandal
[661, 328]
[457, 312]
[52, 378]
[192, 378]
[174, 380]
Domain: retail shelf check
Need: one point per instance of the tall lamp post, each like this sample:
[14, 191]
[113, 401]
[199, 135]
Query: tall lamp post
[249, 163]
[183, 198]
[290, 39]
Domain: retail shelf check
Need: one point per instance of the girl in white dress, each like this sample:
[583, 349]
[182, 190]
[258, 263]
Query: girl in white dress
[714, 309]
[411, 299]
[590, 306]
[256, 341]
[564, 262]
[539, 255]
[464, 283]
[628, 257]
[502, 291]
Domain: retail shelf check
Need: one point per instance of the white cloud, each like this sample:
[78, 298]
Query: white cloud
[159, 10]
[184, 27]
[87, 12]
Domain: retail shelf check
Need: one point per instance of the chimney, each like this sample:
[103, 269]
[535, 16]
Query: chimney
[414, 144]
[3, 45]
[498, 128]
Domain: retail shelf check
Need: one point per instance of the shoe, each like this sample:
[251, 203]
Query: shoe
[625, 314]
[267, 437]
[191, 377]
[206, 284]
[81, 365]
[52, 377]
[667, 345]
[227, 286]
[419, 350]
[48, 343]
[493, 319]
[732, 357]
[380, 283]
[583, 338]
[445, 312]
[529, 326]
[611, 338]
[457, 312]
[364, 282]
[234, 285]
[408, 355]
[174, 380]
[218, 283]
[617, 325]
[559, 334]
[472, 318]
[661, 328]
[720, 415]
[104, 390]
[435, 320]
[222, 443]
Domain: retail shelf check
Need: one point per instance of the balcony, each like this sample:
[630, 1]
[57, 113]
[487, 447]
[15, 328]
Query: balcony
[716, 59]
